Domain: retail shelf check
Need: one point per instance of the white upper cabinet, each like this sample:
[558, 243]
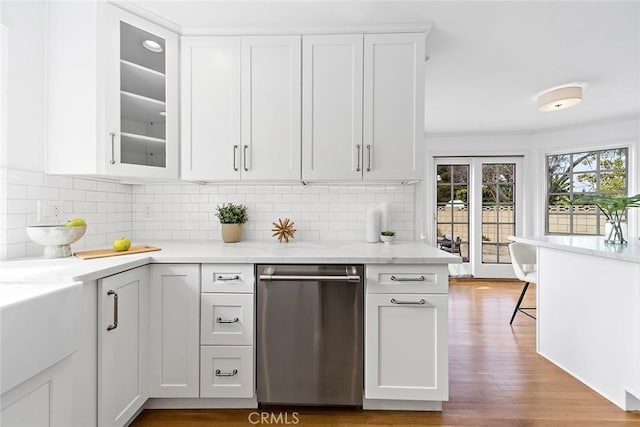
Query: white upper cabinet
[112, 103]
[241, 108]
[393, 106]
[332, 107]
[339, 107]
[271, 119]
[210, 108]
[363, 107]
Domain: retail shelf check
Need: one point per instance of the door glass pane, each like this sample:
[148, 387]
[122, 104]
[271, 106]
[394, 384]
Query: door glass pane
[142, 97]
[498, 210]
[452, 215]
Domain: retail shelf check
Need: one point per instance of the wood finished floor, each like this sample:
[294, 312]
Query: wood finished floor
[496, 378]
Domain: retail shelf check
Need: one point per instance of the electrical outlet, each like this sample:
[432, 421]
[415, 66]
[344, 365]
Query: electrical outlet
[49, 212]
[148, 211]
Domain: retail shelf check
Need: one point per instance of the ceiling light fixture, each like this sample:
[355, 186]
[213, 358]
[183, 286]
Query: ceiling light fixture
[559, 99]
[152, 46]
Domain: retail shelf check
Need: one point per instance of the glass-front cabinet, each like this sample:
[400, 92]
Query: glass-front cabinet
[112, 104]
[143, 128]
[142, 111]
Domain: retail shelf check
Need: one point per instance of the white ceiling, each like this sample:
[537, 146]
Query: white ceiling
[488, 60]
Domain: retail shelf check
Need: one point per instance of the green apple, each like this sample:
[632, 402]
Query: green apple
[122, 244]
[75, 222]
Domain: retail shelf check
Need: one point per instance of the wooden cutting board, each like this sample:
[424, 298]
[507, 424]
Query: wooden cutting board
[101, 253]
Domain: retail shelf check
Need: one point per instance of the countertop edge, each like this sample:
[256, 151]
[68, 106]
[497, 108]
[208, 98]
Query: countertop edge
[586, 245]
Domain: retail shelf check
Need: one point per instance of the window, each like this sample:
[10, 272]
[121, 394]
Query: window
[576, 174]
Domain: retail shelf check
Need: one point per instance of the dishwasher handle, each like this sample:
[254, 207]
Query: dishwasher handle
[290, 278]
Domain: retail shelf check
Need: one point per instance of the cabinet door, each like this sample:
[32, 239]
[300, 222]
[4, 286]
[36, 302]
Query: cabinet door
[174, 296]
[141, 138]
[393, 106]
[271, 108]
[406, 347]
[332, 107]
[211, 108]
[123, 345]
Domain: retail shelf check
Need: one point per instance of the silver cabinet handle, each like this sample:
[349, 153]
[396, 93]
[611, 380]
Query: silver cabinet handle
[278, 278]
[407, 279]
[233, 373]
[219, 320]
[369, 157]
[235, 151]
[114, 325]
[420, 302]
[227, 278]
[358, 156]
[244, 158]
[113, 148]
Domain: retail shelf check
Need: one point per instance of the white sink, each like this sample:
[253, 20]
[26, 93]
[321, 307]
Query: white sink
[38, 327]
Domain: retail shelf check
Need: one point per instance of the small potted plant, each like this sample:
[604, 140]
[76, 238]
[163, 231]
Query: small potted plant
[231, 218]
[387, 236]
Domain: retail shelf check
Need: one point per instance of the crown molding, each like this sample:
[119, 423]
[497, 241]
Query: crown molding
[129, 6]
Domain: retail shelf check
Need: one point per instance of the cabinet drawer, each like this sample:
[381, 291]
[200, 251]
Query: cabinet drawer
[232, 278]
[226, 319]
[385, 279]
[226, 371]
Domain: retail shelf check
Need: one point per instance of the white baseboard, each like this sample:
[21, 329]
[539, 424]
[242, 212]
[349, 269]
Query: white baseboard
[196, 403]
[402, 405]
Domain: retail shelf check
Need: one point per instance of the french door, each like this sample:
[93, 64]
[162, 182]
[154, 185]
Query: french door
[478, 205]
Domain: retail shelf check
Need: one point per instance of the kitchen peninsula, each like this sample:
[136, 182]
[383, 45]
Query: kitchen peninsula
[588, 317]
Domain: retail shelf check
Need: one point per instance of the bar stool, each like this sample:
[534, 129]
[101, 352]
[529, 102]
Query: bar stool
[523, 259]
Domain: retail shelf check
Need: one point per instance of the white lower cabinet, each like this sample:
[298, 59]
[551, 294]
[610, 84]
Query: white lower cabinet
[406, 354]
[123, 345]
[174, 297]
[227, 352]
[42, 400]
[226, 371]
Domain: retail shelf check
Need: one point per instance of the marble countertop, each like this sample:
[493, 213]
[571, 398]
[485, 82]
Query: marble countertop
[588, 245]
[73, 269]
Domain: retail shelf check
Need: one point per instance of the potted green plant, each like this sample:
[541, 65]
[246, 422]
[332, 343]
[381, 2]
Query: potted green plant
[387, 236]
[231, 218]
[613, 207]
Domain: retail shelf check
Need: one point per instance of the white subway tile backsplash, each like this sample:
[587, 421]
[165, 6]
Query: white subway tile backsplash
[186, 211]
[80, 197]
[24, 177]
[73, 195]
[16, 191]
[85, 184]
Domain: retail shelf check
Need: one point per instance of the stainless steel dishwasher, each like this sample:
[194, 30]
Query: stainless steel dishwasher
[310, 334]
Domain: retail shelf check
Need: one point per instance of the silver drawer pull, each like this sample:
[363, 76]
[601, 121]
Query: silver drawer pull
[407, 279]
[114, 325]
[219, 320]
[233, 373]
[420, 302]
[228, 278]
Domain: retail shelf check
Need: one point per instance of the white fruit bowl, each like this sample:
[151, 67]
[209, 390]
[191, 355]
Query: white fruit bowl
[56, 239]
